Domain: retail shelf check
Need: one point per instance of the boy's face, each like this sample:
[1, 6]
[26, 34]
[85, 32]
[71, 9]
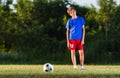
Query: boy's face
[72, 12]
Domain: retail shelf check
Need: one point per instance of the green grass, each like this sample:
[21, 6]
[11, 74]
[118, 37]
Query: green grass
[60, 71]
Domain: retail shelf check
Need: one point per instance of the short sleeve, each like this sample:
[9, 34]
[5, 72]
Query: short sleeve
[68, 24]
[83, 21]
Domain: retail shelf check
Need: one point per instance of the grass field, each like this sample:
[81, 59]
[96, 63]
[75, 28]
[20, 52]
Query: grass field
[60, 71]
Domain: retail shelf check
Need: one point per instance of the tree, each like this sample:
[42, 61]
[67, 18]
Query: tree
[115, 35]
[48, 16]
[6, 26]
[24, 15]
[92, 24]
[105, 14]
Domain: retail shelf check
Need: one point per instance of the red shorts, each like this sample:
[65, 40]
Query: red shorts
[75, 45]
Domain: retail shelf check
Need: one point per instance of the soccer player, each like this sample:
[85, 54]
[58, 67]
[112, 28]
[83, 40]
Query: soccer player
[75, 35]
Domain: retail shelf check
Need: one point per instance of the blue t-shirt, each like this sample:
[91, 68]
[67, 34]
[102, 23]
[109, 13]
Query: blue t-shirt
[75, 28]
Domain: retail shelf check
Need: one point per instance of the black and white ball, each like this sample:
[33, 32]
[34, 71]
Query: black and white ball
[48, 67]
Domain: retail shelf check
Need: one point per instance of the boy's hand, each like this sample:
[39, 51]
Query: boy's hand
[68, 44]
[82, 42]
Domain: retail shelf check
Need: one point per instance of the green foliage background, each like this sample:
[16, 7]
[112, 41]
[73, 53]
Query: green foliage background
[36, 32]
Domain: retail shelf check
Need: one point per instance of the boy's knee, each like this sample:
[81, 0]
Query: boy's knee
[81, 51]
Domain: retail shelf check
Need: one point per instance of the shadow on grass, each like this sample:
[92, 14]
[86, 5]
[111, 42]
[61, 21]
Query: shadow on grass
[59, 76]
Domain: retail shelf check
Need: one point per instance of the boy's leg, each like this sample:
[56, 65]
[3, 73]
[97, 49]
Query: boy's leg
[81, 56]
[73, 58]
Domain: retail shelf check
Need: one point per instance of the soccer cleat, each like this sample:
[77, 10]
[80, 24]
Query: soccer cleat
[81, 67]
[75, 67]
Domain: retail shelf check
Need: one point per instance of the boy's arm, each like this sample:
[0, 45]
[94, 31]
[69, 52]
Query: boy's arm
[67, 37]
[83, 35]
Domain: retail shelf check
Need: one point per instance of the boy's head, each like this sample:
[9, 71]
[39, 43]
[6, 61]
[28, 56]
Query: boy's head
[71, 11]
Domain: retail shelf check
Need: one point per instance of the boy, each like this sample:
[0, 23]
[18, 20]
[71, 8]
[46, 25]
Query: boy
[75, 35]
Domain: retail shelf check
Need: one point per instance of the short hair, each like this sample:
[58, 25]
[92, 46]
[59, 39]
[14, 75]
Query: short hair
[70, 9]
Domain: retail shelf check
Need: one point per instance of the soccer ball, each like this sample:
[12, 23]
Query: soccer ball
[48, 67]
